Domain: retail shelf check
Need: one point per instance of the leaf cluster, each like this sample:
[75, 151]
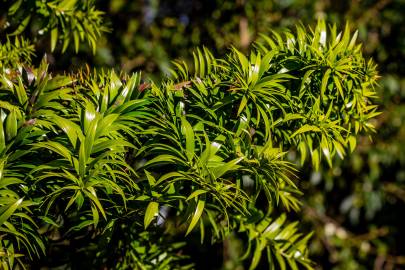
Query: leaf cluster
[66, 22]
[99, 160]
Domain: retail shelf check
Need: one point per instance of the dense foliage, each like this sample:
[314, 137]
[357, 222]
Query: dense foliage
[352, 207]
[94, 162]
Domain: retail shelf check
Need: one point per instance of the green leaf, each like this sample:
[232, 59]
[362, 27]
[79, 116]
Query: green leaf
[305, 128]
[57, 148]
[197, 214]
[302, 147]
[196, 193]
[316, 159]
[352, 143]
[325, 80]
[76, 41]
[5, 215]
[21, 93]
[115, 85]
[91, 193]
[338, 86]
[256, 256]
[11, 125]
[242, 105]
[2, 137]
[211, 149]
[58, 82]
[71, 129]
[229, 166]
[242, 60]
[15, 7]
[353, 40]
[163, 159]
[95, 215]
[151, 212]
[89, 138]
[49, 221]
[54, 38]
[66, 5]
[151, 179]
[21, 27]
[326, 150]
[187, 130]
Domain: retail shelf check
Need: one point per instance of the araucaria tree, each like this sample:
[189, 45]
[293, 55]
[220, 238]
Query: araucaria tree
[122, 171]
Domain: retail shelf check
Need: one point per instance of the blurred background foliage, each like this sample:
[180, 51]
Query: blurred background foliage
[354, 207]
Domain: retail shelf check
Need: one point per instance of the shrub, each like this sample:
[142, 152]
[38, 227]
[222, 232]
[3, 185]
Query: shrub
[116, 170]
